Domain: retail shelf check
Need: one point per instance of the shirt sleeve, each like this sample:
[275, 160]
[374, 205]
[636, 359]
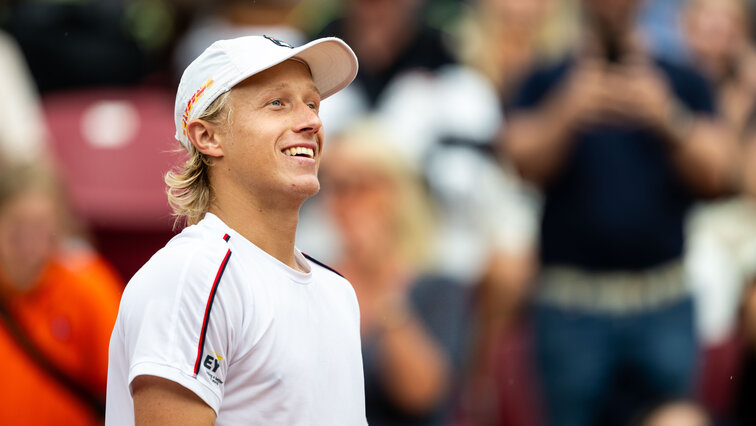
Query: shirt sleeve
[175, 324]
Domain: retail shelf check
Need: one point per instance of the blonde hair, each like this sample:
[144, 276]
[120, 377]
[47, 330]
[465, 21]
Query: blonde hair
[18, 178]
[413, 214]
[189, 191]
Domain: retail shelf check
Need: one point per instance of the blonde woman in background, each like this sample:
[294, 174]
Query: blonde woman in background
[58, 303]
[412, 320]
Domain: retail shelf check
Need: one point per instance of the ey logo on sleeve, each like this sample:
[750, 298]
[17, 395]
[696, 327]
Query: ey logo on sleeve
[212, 363]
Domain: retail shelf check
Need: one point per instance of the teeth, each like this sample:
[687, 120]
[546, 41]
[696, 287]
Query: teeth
[299, 150]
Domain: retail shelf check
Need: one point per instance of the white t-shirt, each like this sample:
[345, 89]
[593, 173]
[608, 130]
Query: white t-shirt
[258, 341]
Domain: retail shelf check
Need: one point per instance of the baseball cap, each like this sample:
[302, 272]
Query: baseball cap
[226, 63]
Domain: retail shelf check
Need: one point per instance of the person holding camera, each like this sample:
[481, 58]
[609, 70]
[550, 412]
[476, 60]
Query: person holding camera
[622, 144]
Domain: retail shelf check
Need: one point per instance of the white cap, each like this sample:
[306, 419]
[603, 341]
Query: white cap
[226, 63]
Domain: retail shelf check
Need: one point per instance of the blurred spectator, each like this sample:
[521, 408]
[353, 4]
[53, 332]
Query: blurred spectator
[622, 143]
[58, 304]
[23, 135]
[412, 320]
[721, 254]
[442, 116]
[225, 19]
[77, 51]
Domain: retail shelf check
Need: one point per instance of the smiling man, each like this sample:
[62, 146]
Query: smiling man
[229, 323]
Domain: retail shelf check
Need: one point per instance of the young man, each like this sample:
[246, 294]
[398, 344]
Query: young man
[230, 323]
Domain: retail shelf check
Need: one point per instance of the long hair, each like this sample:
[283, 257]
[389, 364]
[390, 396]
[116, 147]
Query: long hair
[188, 186]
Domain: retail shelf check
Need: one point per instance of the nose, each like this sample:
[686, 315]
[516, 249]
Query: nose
[307, 120]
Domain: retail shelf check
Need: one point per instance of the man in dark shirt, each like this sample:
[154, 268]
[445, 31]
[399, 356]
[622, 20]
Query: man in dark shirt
[621, 144]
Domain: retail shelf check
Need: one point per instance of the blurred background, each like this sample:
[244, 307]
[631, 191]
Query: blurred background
[547, 208]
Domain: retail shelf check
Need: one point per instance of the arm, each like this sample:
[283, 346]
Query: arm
[159, 401]
[161, 347]
[703, 149]
[705, 156]
[414, 368]
[537, 140]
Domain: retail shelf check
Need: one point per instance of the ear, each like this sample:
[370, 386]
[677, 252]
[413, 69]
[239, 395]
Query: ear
[206, 137]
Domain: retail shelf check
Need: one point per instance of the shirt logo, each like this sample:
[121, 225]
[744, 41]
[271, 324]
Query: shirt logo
[193, 100]
[279, 42]
[211, 364]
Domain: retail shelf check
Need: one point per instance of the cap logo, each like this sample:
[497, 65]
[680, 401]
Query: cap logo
[193, 100]
[279, 42]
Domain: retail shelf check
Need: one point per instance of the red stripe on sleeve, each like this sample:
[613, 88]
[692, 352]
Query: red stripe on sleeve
[209, 306]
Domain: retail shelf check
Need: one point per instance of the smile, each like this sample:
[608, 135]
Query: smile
[299, 151]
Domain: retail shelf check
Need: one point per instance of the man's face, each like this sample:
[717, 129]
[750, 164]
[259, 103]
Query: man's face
[273, 143]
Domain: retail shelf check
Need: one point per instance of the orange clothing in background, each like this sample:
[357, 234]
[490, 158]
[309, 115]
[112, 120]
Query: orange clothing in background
[69, 316]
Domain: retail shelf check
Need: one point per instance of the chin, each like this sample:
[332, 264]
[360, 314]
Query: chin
[306, 187]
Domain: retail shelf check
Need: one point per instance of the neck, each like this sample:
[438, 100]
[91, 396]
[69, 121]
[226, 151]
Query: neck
[272, 228]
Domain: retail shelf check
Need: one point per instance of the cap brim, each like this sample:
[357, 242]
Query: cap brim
[332, 63]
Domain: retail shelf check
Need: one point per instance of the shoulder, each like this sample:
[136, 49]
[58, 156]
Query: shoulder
[680, 69]
[689, 84]
[65, 279]
[321, 264]
[192, 258]
[172, 297]
[539, 81]
[333, 281]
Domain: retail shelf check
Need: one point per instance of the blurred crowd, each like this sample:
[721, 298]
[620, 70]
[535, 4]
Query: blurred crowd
[547, 208]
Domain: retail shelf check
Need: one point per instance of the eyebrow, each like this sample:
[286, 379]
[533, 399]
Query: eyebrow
[285, 85]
